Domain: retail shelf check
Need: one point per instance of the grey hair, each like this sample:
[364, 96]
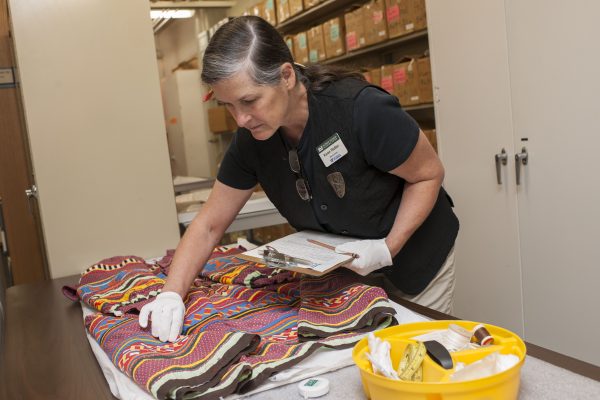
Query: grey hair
[248, 44]
[251, 44]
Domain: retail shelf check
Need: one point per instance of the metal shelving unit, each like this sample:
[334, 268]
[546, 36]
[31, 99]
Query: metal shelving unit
[315, 15]
[378, 47]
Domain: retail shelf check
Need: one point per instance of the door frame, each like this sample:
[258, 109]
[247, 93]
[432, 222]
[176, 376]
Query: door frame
[22, 230]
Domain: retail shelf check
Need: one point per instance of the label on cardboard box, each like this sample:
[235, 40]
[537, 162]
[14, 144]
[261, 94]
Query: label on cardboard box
[377, 17]
[313, 56]
[302, 40]
[351, 40]
[334, 32]
[409, 27]
[393, 13]
[269, 5]
[387, 83]
[399, 76]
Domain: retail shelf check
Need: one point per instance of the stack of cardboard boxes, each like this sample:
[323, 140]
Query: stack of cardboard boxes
[379, 20]
[409, 80]
[371, 23]
[264, 9]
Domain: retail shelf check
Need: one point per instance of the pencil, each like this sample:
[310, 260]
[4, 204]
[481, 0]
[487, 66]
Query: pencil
[330, 247]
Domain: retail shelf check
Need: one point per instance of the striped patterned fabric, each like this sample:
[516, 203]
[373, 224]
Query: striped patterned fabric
[119, 284]
[243, 322]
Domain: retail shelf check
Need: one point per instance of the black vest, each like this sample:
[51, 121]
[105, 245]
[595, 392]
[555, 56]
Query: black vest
[372, 197]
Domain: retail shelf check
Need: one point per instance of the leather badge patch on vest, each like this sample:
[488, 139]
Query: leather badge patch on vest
[336, 180]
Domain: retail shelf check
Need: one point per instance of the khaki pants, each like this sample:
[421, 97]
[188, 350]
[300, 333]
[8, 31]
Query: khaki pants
[439, 294]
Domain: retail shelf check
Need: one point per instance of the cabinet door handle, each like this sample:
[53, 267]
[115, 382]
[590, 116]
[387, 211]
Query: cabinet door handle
[520, 158]
[501, 159]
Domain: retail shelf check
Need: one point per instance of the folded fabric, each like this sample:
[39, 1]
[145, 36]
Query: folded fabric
[243, 322]
[170, 370]
[120, 285]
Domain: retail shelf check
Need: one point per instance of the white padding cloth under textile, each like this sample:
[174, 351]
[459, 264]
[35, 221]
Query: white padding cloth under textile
[322, 361]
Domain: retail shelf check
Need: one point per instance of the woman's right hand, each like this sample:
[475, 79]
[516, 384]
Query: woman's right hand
[166, 313]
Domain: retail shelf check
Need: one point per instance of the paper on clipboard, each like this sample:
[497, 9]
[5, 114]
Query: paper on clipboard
[297, 245]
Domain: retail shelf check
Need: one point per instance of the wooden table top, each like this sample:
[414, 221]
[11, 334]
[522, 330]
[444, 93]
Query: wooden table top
[46, 354]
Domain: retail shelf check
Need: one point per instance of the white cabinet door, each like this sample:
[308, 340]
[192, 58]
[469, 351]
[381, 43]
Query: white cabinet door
[554, 62]
[469, 57]
[91, 100]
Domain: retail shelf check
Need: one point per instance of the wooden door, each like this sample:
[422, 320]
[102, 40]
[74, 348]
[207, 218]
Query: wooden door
[23, 234]
[467, 39]
[554, 61]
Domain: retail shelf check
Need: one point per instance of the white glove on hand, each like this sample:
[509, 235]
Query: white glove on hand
[372, 255]
[167, 316]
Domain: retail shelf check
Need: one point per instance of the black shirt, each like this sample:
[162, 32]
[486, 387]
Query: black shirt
[386, 133]
[379, 137]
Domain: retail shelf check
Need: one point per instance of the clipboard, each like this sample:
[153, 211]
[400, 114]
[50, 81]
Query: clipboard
[314, 260]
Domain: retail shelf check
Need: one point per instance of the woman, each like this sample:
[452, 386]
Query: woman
[333, 154]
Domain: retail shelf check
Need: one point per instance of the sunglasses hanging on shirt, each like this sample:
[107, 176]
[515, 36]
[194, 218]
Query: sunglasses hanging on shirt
[302, 186]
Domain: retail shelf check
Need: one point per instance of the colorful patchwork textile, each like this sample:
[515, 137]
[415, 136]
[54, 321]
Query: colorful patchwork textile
[243, 322]
[120, 284]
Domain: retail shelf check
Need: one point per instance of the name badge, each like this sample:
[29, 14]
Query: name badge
[332, 149]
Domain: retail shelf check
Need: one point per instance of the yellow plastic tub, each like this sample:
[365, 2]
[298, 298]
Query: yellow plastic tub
[436, 383]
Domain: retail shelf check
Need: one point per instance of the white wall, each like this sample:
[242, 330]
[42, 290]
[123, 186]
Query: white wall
[94, 118]
[178, 41]
[194, 149]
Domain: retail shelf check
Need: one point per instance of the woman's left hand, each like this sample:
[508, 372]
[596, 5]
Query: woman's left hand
[372, 255]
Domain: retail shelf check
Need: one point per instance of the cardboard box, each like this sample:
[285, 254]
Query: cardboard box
[406, 82]
[310, 3]
[432, 137]
[283, 10]
[399, 17]
[301, 48]
[375, 22]
[334, 34]
[387, 80]
[405, 16]
[257, 9]
[425, 86]
[376, 76]
[220, 120]
[289, 40]
[295, 6]
[269, 12]
[355, 29]
[419, 14]
[316, 44]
